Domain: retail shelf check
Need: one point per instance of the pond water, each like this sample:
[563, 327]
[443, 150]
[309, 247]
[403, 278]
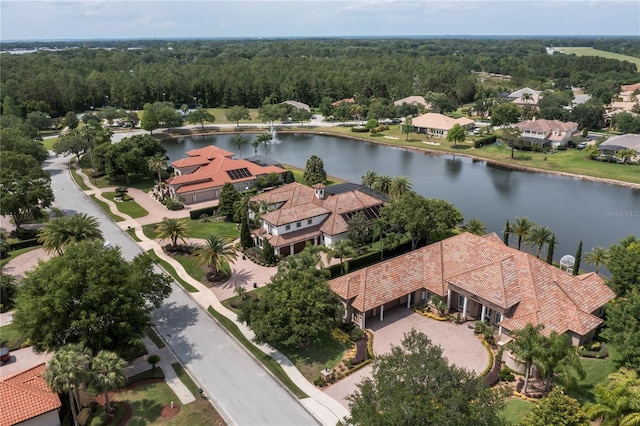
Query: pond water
[575, 209]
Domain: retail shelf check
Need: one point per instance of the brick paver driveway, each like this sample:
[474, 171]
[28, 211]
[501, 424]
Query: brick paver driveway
[458, 342]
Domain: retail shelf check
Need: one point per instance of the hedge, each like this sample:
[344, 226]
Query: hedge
[209, 211]
[359, 129]
[370, 259]
[486, 140]
[24, 244]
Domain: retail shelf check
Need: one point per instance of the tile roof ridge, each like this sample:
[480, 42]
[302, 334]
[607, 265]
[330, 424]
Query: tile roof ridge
[533, 286]
[23, 372]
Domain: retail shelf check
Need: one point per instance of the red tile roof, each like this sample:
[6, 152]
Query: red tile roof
[25, 395]
[527, 289]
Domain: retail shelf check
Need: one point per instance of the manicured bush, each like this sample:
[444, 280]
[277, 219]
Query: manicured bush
[359, 129]
[340, 336]
[506, 375]
[356, 334]
[25, 234]
[595, 350]
[486, 140]
[209, 211]
[23, 244]
[173, 204]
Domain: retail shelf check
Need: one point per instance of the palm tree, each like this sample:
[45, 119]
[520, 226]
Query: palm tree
[527, 346]
[62, 231]
[506, 232]
[215, 253]
[625, 154]
[557, 353]
[617, 399]
[239, 140]
[597, 257]
[157, 163]
[173, 229]
[383, 184]
[108, 373]
[341, 249]
[66, 370]
[240, 291]
[476, 227]
[255, 144]
[369, 178]
[399, 186]
[526, 97]
[264, 138]
[539, 236]
[521, 229]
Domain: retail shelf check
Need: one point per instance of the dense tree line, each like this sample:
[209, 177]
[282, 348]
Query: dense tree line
[251, 73]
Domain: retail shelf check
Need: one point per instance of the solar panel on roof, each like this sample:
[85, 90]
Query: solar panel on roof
[239, 173]
[341, 188]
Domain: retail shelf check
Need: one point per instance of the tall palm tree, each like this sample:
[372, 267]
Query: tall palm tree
[520, 228]
[341, 249]
[399, 186]
[173, 229]
[157, 163]
[617, 399]
[597, 257]
[475, 226]
[62, 231]
[264, 138]
[108, 373]
[216, 252]
[255, 143]
[526, 346]
[67, 369]
[506, 233]
[538, 237]
[369, 178]
[558, 354]
[383, 184]
[239, 140]
[526, 97]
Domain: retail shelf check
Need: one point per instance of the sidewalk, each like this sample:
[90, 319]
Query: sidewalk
[326, 409]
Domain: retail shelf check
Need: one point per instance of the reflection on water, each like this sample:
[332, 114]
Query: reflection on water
[596, 213]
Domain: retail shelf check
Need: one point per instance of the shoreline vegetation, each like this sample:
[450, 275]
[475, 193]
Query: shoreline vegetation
[400, 144]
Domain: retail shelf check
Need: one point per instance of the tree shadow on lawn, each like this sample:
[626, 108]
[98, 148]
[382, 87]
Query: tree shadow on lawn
[145, 411]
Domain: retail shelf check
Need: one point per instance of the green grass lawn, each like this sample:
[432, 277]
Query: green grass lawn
[48, 143]
[186, 379]
[221, 118]
[590, 51]
[171, 271]
[11, 337]
[515, 409]
[76, 177]
[132, 234]
[130, 207]
[233, 303]
[299, 173]
[198, 229]
[310, 361]
[189, 264]
[106, 209]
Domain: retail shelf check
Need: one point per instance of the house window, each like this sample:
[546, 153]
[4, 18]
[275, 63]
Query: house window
[497, 318]
[460, 301]
[487, 315]
[287, 227]
[298, 224]
[309, 221]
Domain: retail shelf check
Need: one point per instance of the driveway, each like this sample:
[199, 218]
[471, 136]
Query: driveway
[460, 346]
[23, 359]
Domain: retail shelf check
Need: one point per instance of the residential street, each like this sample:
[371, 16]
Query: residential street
[237, 384]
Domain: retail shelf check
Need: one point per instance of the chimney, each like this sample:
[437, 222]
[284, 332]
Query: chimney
[319, 189]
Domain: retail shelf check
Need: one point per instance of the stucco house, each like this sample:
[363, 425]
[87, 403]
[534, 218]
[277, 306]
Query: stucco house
[438, 125]
[27, 401]
[611, 146]
[202, 174]
[552, 133]
[298, 214]
[482, 279]
[413, 100]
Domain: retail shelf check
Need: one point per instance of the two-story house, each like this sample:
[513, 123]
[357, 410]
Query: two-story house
[550, 133]
[202, 174]
[298, 215]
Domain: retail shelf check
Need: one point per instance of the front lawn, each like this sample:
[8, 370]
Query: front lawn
[106, 209]
[298, 175]
[310, 361]
[130, 207]
[199, 229]
[515, 409]
[11, 337]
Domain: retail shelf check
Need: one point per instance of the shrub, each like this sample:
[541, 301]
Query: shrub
[519, 385]
[320, 382]
[359, 129]
[356, 334]
[486, 140]
[506, 375]
[340, 336]
[23, 244]
[479, 327]
[173, 204]
[25, 234]
[595, 350]
[197, 214]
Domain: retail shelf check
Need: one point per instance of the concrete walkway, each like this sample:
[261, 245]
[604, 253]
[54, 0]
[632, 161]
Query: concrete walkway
[167, 358]
[326, 409]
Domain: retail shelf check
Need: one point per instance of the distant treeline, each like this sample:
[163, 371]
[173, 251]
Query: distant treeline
[223, 73]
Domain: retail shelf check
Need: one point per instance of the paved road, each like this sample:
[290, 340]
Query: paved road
[240, 386]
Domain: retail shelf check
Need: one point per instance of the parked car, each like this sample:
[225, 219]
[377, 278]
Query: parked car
[5, 355]
[581, 145]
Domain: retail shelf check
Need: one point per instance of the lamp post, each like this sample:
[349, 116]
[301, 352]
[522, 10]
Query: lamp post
[163, 95]
[106, 97]
[195, 101]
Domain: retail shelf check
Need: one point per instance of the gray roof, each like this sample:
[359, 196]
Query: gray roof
[620, 142]
[340, 188]
[263, 161]
[298, 105]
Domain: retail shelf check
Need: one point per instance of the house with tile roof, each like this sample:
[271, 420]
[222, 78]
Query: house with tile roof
[553, 133]
[482, 279]
[413, 100]
[615, 144]
[438, 125]
[299, 215]
[343, 101]
[26, 400]
[298, 105]
[202, 174]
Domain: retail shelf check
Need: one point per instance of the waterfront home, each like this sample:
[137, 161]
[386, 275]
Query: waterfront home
[553, 133]
[438, 125]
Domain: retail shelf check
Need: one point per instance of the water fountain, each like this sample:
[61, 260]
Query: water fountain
[274, 134]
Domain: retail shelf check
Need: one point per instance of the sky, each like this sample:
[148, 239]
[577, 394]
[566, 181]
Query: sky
[139, 19]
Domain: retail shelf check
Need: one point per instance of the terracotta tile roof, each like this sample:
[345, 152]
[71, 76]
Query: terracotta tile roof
[343, 101]
[630, 87]
[519, 93]
[547, 125]
[25, 395]
[303, 234]
[296, 202]
[214, 164]
[432, 120]
[527, 289]
[413, 100]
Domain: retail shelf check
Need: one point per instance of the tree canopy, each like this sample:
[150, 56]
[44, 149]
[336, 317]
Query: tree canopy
[89, 295]
[314, 171]
[414, 385]
[556, 409]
